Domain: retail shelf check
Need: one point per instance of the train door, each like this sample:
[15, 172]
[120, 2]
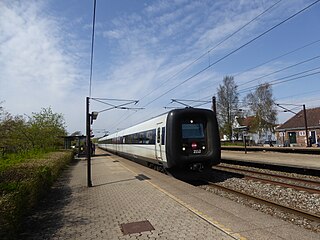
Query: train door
[158, 142]
[312, 137]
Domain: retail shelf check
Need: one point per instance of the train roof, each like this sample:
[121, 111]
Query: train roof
[136, 127]
[144, 124]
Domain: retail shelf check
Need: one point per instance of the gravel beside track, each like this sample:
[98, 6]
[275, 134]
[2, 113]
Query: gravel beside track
[285, 196]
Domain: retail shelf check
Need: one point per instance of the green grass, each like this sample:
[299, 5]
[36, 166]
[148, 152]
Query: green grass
[16, 158]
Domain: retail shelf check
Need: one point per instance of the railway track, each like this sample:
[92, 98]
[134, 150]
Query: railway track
[261, 200]
[230, 177]
[276, 179]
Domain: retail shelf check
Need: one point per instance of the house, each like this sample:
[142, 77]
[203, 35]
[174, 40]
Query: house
[247, 126]
[293, 131]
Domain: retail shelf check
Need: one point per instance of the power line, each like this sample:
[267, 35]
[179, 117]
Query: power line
[197, 59]
[185, 101]
[269, 74]
[229, 54]
[122, 105]
[278, 57]
[234, 51]
[303, 93]
[211, 49]
[92, 44]
[280, 70]
[281, 80]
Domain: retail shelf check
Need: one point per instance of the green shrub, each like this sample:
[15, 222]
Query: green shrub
[23, 184]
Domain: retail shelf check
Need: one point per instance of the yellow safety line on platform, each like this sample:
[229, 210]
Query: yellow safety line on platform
[195, 211]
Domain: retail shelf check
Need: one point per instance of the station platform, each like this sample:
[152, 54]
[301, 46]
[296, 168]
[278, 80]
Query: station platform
[296, 160]
[130, 201]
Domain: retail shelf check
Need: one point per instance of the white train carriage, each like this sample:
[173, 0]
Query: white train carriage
[181, 138]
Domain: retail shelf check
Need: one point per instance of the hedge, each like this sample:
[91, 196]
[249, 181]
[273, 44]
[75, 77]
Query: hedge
[22, 186]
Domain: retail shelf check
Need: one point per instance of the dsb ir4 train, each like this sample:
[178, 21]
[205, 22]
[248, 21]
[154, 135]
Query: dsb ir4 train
[180, 139]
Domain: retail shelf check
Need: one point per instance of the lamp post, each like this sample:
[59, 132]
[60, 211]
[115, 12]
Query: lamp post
[89, 121]
[93, 116]
[88, 141]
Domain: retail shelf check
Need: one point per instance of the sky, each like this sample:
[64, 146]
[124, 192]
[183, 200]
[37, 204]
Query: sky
[153, 52]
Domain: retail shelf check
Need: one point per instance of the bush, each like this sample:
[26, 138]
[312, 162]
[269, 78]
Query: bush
[23, 184]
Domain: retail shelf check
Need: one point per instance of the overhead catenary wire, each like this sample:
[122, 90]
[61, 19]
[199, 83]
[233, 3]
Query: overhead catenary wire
[288, 78]
[269, 74]
[300, 94]
[278, 57]
[122, 105]
[291, 77]
[203, 55]
[234, 51]
[230, 53]
[211, 49]
[247, 43]
[280, 70]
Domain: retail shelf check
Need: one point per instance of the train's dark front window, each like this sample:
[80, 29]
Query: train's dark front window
[193, 140]
[192, 130]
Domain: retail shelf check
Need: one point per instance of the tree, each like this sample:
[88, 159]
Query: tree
[262, 106]
[46, 129]
[13, 132]
[227, 105]
[42, 130]
[2, 112]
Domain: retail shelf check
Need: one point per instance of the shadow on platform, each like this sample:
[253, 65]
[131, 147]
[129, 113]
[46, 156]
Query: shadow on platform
[47, 218]
[140, 177]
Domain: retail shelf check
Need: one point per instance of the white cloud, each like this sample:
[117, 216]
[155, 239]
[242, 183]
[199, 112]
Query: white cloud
[117, 34]
[46, 57]
[37, 70]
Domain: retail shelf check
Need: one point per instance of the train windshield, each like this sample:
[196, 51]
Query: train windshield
[192, 130]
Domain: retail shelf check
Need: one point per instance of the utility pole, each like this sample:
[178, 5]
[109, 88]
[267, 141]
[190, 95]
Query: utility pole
[88, 141]
[306, 124]
[93, 116]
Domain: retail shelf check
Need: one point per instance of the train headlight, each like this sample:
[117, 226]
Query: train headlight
[203, 147]
[183, 148]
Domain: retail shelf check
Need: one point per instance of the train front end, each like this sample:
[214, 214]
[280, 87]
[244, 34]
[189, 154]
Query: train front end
[193, 140]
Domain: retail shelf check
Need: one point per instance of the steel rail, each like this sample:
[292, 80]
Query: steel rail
[306, 215]
[276, 175]
[298, 187]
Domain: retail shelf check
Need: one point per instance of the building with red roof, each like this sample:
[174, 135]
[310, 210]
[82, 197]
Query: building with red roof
[293, 131]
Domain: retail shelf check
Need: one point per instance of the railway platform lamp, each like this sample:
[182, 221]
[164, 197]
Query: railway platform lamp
[94, 116]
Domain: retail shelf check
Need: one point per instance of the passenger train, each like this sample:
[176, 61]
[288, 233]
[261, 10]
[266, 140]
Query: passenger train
[180, 139]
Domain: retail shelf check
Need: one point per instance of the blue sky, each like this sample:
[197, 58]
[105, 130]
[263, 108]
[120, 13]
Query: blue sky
[145, 50]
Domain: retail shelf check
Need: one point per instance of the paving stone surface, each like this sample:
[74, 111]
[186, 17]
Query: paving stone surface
[74, 211]
[125, 192]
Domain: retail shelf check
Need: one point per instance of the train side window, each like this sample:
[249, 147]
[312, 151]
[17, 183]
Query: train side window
[163, 135]
[151, 136]
[142, 138]
[158, 136]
